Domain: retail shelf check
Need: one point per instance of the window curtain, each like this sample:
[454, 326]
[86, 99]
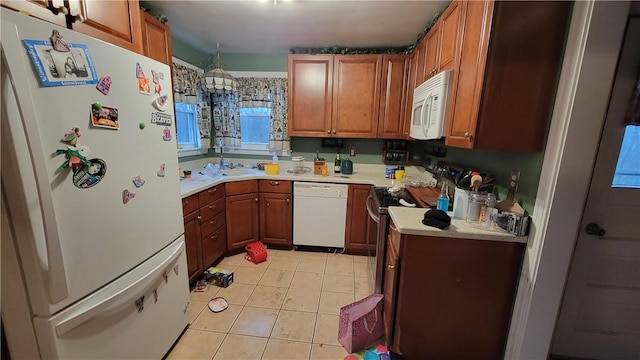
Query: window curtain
[187, 89]
[226, 118]
[271, 93]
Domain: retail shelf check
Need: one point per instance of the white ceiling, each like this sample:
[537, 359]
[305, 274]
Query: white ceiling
[252, 26]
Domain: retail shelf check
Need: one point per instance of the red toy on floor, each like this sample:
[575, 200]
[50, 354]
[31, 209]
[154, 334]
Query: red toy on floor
[256, 252]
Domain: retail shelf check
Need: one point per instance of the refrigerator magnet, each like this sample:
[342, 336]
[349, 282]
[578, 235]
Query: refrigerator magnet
[143, 86]
[160, 103]
[161, 170]
[155, 296]
[57, 42]
[159, 118]
[142, 125]
[140, 303]
[104, 85]
[139, 72]
[165, 276]
[138, 181]
[158, 88]
[127, 196]
[104, 116]
[161, 75]
[74, 156]
[176, 269]
[155, 77]
[89, 175]
[58, 68]
[71, 136]
[166, 134]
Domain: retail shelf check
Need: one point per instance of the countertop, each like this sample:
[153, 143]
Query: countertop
[409, 221]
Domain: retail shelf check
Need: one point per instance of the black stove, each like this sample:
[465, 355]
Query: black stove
[383, 198]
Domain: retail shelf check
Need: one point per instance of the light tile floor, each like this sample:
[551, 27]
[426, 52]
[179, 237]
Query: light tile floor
[284, 308]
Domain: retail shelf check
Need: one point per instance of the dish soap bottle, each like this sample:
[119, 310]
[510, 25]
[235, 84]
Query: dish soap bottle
[443, 198]
[337, 164]
[274, 159]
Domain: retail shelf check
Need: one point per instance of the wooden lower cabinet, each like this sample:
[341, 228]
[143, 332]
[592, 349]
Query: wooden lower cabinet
[450, 298]
[357, 239]
[276, 210]
[242, 213]
[193, 245]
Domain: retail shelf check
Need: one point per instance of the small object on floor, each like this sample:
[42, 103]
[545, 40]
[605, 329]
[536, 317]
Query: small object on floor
[201, 286]
[256, 252]
[218, 277]
[379, 352]
[436, 218]
[218, 304]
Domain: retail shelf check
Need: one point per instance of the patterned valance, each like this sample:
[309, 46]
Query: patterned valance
[187, 89]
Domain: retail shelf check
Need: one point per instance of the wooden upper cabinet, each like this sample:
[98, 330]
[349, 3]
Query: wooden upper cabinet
[431, 45]
[42, 9]
[449, 29]
[509, 62]
[419, 54]
[411, 85]
[356, 95]
[116, 22]
[393, 96]
[156, 39]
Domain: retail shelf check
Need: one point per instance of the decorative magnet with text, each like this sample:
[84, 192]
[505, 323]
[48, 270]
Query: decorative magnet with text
[89, 175]
[143, 86]
[74, 156]
[138, 181]
[71, 136]
[139, 72]
[60, 64]
[161, 171]
[104, 116]
[127, 195]
[104, 84]
[140, 303]
[160, 103]
[161, 119]
[166, 134]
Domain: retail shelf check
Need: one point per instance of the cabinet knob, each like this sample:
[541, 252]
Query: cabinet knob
[212, 222]
[63, 10]
[288, 201]
[211, 207]
[268, 205]
[467, 135]
[274, 183]
[334, 131]
[328, 131]
[256, 199]
[210, 191]
[390, 267]
[213, 237]
[199, 218]
[79, 18]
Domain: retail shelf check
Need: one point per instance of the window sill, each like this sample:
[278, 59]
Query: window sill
[246, 151]
[191, 152]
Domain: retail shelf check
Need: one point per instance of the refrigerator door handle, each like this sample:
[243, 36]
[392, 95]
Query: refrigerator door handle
[58, 288]
[129, 293]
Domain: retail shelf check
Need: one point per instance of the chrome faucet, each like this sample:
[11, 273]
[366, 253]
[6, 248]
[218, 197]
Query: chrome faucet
[222, 164]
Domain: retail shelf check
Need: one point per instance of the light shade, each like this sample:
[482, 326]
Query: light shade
[217, 79]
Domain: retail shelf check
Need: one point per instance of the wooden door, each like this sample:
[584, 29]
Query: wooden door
[356, 237]
[419, 54]
[116, 22]
[449, 37]
[356, 96]
[393, 96]
[156, 39]
[275, 219]
[214, 246]
[242, 214]
[310, 91]
[411, 85]
[50, 10]
[193, 246]
[600, 313]
[431, 41]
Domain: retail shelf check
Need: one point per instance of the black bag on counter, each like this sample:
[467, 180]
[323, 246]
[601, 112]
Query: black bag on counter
[436, 218]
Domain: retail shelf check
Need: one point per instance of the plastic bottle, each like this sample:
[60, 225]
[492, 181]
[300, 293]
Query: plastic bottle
[337, 164]
[486, 213]
[274, 159]
[443, 198]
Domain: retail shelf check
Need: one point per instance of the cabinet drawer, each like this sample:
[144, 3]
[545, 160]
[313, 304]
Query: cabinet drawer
[209, 210]
[209, 226]
[241, 187]
[211, 195]
[213, 247]
[190, 204]
[394, 238]
[275, 186]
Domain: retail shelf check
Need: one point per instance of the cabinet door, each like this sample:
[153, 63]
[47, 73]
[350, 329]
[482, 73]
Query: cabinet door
[389, 288]
[193, 245]
[116, 22]
[242, 213]
[449, 38]
[275, 217]
[411, 85]
[310, 91]
[393, 97]
[42, 9]
[420, 58]
[356, 239]
[156, 39]
[431, 41]
[356, 96]
[213, 247]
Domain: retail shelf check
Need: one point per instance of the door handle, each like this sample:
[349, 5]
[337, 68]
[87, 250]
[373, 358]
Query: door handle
[594, 229]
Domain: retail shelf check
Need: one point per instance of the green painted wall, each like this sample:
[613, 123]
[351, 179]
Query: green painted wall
[498, 163]
[188, 53]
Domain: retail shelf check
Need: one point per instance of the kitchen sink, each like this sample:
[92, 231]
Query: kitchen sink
[238, 172]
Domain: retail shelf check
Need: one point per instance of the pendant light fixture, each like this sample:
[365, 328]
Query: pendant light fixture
[217, 79]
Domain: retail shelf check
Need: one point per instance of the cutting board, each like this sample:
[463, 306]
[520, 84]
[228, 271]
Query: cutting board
[425, 196]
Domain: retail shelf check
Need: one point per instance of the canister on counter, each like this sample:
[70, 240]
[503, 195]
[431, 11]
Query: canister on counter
[476, 202]
[399, 173]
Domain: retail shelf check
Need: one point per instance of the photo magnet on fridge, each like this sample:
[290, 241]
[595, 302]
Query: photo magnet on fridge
[143, 86]
[139, 72]
[104, 85]
[89, 175]
[58, 68]
[104, 116]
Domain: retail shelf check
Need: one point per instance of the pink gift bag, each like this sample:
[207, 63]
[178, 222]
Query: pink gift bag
[361, 323]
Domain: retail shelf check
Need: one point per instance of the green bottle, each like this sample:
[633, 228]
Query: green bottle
[337, 164]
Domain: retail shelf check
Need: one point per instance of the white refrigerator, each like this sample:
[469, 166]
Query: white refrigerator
[93, 254]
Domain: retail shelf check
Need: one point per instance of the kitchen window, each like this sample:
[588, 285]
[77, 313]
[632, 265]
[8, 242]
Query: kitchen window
[255, 124]
[187, 129]
[627, 174]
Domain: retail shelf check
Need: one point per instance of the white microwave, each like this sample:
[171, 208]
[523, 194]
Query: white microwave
[430, 100]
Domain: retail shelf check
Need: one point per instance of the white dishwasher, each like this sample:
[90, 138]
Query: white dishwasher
[319, 214]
